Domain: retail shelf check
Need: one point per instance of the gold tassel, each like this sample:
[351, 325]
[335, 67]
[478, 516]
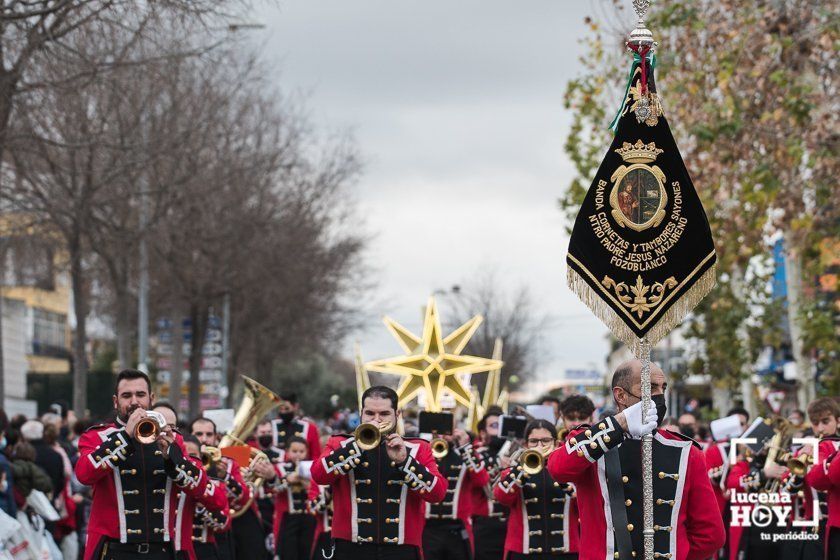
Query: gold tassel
[670, 319]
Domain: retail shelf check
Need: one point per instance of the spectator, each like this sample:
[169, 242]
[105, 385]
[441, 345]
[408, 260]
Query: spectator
[45, 456]
[7, 479]
[28, 475]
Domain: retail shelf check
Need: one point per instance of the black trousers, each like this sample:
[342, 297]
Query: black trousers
[249, 536]
[114, 550]
[225, 545]
[346, 550]
[297, 530]
[323, 546]
[489, 535]
[206, 551]
[446, 540]
[833, 544]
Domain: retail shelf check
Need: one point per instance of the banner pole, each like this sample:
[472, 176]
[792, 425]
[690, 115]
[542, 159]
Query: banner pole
[647, 454]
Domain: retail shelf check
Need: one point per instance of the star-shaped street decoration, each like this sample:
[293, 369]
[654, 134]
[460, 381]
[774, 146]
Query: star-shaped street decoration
[433, 363]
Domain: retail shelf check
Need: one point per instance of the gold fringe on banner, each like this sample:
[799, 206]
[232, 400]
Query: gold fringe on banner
[665, 323]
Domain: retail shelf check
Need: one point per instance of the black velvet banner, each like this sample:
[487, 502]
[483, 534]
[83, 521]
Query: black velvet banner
[641, 255]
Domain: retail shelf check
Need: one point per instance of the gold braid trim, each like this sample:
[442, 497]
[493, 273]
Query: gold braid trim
[665, 323]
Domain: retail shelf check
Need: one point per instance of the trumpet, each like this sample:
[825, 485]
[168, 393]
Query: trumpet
[440, 448]
[798, 466]
[210, 456]
[532, 461]
[368, 435]
[149, 428]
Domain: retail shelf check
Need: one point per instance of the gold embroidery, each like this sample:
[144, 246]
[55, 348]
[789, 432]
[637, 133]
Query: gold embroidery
[641, 303]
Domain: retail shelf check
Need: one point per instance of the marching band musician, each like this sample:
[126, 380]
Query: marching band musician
[380, 494]
[206, 522]
[604, 462]
[289, 423]
[448, 531]
[264, 441]
[824, 476]
[134, 484]
[294, 528]
[489, 517]
[319, 504]
[717, 465]
[542, 522]
[228, 472]
[213, 501]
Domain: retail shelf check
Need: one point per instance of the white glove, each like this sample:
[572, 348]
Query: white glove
[636, 425]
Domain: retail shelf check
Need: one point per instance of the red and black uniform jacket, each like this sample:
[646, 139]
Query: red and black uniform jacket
[298, 427]
[376, 500]
[134, 486]
[824, 476]
[464, 472]
[229, 474]
[606, 468]
[190, 513]
[319, 504]
[543, 515]
[484, 504]
[288, 498]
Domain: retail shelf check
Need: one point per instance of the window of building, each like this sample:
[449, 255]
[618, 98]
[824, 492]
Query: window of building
[48, 333]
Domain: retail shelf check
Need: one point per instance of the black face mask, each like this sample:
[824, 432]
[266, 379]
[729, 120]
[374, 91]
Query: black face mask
[287, 417]
[661, 408]
[265, 441]
[687, 430]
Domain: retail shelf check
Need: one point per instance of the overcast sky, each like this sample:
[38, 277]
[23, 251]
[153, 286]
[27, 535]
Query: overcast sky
[457, 108]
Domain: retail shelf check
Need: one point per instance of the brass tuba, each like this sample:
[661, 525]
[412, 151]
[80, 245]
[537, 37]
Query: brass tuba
[256, 403]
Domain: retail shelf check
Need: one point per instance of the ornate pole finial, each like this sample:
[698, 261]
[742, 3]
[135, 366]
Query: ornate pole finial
[641, 35]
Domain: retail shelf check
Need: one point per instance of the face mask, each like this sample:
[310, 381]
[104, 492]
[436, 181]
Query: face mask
[287, 417]
[687, 430]
[661, 408]
[265, 441]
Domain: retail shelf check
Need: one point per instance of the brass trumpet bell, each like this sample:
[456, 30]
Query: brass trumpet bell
[368, 435]
[149, 428]
[532, 462]
[440, 448]
[798, 466]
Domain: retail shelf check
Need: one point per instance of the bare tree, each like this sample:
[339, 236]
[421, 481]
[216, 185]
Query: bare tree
[513, 317]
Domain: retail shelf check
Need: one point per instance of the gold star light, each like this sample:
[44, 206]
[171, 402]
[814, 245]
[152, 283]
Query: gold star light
[433, 364]
[362, 378]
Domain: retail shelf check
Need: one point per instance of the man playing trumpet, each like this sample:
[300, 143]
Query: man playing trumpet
[135, 483]
[380, 488]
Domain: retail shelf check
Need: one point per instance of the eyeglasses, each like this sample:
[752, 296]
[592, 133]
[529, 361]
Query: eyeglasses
[542, 441]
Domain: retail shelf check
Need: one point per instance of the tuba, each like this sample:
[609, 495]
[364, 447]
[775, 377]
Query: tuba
[256, 403]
